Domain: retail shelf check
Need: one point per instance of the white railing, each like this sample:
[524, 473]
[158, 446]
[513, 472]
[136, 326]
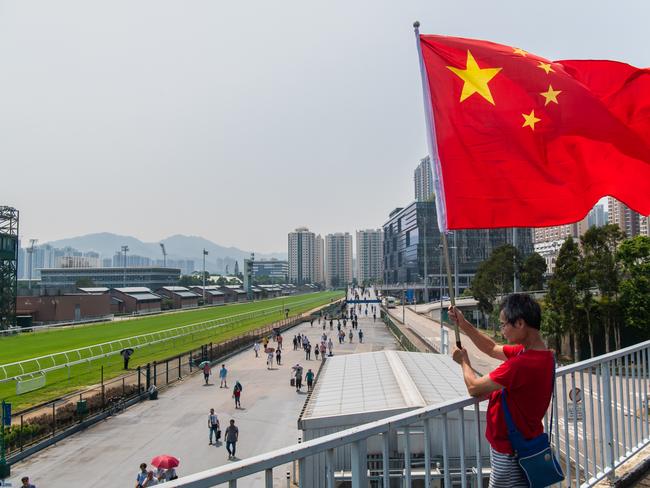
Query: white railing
[599, 428]
[28, 368]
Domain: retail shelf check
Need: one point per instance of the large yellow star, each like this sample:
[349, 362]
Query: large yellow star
[546, 67]
[476, 79]
[520, 51]
[550, 95]
[530, 120]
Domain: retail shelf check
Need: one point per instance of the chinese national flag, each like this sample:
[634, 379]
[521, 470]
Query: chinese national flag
[527, 142]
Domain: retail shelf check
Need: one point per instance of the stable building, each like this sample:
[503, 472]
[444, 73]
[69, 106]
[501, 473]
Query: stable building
[136, 299]
[355, 389]
[213, 294]
[181, 296]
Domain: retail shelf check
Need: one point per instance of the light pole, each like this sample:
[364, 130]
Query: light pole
[124, 250]
[205, 253]
[514, 261]
[403, 307]
[30, 251]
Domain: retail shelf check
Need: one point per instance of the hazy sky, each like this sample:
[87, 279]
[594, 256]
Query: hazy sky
[239, 121]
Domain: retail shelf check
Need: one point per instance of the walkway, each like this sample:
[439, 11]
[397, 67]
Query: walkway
[108, 454]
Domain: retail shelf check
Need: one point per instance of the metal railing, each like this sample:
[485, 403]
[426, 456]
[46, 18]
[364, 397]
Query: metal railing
[599, 428]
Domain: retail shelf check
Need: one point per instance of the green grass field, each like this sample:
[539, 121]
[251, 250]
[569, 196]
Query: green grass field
[30, 345]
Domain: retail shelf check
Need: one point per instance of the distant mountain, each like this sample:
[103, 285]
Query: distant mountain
[177, 247]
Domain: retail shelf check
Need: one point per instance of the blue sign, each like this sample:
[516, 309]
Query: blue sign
[410, 296]
[6, 414]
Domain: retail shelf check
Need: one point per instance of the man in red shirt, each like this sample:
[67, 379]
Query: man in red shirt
[526, 375]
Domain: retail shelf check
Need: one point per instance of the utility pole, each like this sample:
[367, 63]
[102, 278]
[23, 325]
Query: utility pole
[205, 253]
[164, 252]
[403, 307]
[30, 251]
[515, 285]
[124, 250]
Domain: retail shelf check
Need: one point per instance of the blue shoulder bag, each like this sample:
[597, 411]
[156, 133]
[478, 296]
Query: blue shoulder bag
[535, 456]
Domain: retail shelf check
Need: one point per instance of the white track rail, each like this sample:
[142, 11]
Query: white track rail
[27, 368]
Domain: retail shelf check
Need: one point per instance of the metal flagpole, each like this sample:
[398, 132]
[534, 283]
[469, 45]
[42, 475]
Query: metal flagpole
[435, 162]
[450, 284]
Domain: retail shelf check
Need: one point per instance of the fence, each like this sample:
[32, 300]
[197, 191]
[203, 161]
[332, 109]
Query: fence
[39, 426]
[404, 341]
[603, 421]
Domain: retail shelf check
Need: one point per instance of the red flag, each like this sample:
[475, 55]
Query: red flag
[526, 142]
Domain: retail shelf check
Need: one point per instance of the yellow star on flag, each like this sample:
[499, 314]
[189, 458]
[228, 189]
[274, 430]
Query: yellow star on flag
[520, 51]
[550, 95]
[530, 120]
[546, 67]
[475, 79]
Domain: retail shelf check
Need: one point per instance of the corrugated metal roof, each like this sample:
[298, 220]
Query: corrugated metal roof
[175, 288]
[143, 297]
[187, 294]
[134, 289]
[383, 380]
[96, 289]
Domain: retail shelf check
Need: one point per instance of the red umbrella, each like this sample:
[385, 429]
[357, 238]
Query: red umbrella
[165, 461]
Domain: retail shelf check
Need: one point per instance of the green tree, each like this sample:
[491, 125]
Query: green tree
[599, 245]
[84, 283]
[634, 256]
[533, 269]
[562, 296]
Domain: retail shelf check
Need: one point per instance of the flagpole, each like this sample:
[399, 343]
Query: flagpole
[435, 164]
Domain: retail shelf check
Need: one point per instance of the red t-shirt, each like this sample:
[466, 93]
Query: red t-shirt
[527, 377]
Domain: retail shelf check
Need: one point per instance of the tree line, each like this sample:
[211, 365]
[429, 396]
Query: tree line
[600, 286]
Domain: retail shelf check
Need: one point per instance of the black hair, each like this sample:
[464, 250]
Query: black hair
[522, 306]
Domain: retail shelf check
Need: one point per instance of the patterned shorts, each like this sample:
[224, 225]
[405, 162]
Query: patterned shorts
[506, 472]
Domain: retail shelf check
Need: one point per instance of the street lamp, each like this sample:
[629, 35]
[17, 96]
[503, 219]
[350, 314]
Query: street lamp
[205, 253]
[124, 250]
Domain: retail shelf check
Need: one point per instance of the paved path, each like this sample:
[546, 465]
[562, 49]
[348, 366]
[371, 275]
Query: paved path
[108, 454]
[429, 330]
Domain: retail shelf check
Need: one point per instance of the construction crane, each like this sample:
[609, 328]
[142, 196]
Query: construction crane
[162, 246]
[30, 251]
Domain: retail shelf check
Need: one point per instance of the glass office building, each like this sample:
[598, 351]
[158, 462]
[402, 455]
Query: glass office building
[409, 229]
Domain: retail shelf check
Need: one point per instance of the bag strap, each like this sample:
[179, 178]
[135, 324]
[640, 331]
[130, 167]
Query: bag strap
[510, 423]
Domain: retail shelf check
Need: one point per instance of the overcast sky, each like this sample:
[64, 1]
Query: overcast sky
[239, 121]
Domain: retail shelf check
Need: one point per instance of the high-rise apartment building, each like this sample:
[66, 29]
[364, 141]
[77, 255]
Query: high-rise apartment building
[302, 256]
[627, 219]
[423, 179]
[338, 261]
[319, 262]
[547, 241]
[369, 255]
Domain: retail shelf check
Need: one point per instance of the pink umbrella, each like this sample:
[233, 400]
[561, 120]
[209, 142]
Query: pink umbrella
[165, 461]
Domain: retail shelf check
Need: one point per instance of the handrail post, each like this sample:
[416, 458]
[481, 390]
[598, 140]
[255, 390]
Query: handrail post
[607, 413]
[359, 463]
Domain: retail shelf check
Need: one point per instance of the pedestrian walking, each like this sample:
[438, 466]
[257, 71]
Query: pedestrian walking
[311, 322]
[316, 351]
[213, 425]
[26, 483]
[295, 343]
[126, 355]
[374, 317]
[141, 477]
[256, 348]
[360, 336]
[151, 480]
[310, 379]
[232, 436]
[269, 360]
[308, 352]
[265, 342]
[350, 336]
[223, 372]
[236, 394]
[278, 357]
[207, 371]
[280, 340]
[330, 345]
[298, 376]
[323, 348]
